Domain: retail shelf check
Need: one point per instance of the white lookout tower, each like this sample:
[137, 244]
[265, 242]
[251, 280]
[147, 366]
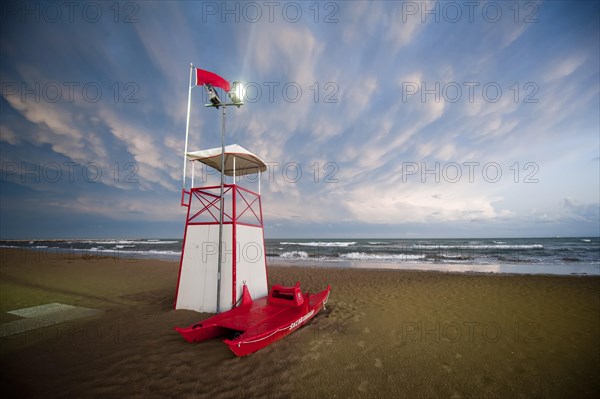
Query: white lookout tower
[242, 246]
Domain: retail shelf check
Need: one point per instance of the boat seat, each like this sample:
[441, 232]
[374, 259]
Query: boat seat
[286, 295]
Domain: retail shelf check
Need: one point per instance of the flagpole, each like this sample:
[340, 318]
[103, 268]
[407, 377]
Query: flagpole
[220, 256]
[187, 125]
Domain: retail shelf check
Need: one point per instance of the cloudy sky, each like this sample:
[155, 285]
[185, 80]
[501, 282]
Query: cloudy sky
[377, 119]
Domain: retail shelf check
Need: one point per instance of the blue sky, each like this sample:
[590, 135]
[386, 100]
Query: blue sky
[377, 119]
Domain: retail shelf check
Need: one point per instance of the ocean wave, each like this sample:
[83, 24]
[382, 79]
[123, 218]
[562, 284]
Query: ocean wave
[365, 256]
[321, 243]
[481, 246]
[135, 242]
[452, 257]
[136, 252]
[294, 255]
[153, 251]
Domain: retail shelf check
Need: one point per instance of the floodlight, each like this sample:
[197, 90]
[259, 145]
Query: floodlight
[237, 94]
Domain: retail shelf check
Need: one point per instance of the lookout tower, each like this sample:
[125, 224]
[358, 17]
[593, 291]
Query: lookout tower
[208, 282]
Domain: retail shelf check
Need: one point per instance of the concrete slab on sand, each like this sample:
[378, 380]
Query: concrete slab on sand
[43, 316]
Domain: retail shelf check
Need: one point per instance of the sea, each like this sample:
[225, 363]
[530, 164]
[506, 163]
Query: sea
[562, 256]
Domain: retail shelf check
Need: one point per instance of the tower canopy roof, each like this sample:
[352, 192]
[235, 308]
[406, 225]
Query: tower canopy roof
[245, 162]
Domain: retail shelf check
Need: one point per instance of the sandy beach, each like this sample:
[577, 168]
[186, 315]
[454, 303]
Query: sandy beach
[385, 333]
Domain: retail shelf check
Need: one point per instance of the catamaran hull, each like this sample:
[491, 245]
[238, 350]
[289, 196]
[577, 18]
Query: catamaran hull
[245, 346]
[258, 323]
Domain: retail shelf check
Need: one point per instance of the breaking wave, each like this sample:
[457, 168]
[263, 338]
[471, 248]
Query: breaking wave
[365, 256]
[294, 255]
[321, 243]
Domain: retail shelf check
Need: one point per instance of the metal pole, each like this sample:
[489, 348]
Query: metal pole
[193, 170]
[187, 125]
[222, 201]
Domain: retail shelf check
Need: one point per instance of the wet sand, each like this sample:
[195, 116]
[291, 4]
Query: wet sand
[385, 333]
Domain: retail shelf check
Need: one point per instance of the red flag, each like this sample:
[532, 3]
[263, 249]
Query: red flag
[204, 77]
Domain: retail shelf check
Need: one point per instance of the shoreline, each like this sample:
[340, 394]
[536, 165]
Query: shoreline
[524, 268]
[384, 333]
[453, 268]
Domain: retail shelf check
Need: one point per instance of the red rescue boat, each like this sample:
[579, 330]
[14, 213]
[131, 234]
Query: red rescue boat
[256, 324]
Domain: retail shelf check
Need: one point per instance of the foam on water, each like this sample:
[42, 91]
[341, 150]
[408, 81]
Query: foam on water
[294, 255]
[321, 243]
[365, 256]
